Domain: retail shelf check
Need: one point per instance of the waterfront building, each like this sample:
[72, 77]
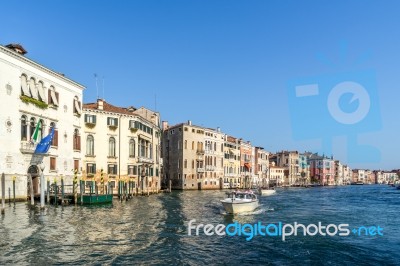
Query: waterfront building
[121, 144]
[290, 161]
[389, 177]
[246, 164]
[339, 174]
[322, 170]
[304, 168]
[34, 96]
[232, 178]
[186, 161]
[347, 175]
[276, 175]
[261, 168]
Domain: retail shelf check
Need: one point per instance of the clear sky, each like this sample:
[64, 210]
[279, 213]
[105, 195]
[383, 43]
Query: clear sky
[231, 64]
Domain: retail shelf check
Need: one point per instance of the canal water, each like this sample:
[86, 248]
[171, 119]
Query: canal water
[153, 230]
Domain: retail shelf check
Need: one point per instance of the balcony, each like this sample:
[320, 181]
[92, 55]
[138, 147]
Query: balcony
[210, 168]
[145, 160]
[27, 147]
[200, 152]
[200, 170]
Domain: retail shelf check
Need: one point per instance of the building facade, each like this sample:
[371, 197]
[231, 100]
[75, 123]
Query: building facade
[246, 164]
[290, 161]
[261, 167]
[121, 144]
[232, 162]
[322, 170]
[34, 96]
[189, 153]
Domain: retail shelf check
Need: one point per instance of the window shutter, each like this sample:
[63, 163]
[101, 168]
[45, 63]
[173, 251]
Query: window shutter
[86, 118]
[49, 97]
[108, 121]
[94, 119]
[94, 168]
[55, 139]
[116, 169]
[57, 97]
[116, 121]
[79, 143]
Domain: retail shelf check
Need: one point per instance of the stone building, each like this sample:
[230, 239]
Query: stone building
[193, 157]
[231, 162]
[123, 144]
[33, 95]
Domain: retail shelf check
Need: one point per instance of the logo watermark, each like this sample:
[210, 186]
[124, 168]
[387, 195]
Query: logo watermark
[281, 230]
[336, 104]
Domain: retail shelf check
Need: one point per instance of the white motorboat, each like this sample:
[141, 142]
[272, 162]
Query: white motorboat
[266, 191]
[240, 201]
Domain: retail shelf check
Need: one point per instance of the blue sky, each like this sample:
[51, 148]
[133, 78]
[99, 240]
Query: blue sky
[227, 63]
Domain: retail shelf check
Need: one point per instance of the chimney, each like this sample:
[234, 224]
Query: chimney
[100, 104]
[16, 48]
[189, 122]
[165, 125]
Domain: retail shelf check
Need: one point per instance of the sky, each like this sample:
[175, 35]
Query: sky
[237, 65]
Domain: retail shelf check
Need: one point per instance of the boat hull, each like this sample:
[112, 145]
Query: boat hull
[239, 207]
[267, 192]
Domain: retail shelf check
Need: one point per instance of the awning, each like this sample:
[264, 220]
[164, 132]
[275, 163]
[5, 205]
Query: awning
[41, 91]
[24, 86]
[77, 107]
[53, 97]
[32, 88]
[247, 165]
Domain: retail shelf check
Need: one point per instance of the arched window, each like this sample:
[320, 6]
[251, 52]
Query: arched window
[54, 142]
[24, 86]
[32, 126]
[90, 145]
[41, 92]
[132, 148]
[77, 140]
[24, 128]
[33, 89]
[111, 147]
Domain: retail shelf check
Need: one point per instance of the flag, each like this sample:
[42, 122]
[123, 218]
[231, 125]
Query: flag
[35, 134]
[44, 145]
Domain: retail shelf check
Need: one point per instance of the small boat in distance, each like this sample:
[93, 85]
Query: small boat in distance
[240, 201]
[266, 191]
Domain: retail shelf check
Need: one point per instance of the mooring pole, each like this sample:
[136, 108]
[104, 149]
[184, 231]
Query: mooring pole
[48, 191]
[42, 186]
[14, 178]
[31, 190]
[3, 193]
[55, 192]
[62, 190]
[82, 188]
[75, 186]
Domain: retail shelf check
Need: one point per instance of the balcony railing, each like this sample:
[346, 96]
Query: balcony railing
[145, 160]
[210, 168]
[200, 170]
[27, 147]
[200, 152]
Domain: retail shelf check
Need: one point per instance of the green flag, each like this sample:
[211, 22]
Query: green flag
[35, 134]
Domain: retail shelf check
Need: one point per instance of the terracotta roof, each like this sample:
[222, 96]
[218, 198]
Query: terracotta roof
[16, 47]
[109, 108]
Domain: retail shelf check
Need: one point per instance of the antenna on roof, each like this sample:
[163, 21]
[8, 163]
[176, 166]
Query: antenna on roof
[103, 87]
[97, 87]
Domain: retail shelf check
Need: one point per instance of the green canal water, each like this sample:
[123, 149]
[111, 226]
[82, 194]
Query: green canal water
[153, 230]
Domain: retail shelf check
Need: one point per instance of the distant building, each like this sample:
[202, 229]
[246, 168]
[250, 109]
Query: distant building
[290, 161]
[246, 164]
[232, 178]
[276, 175]
[34, 96]
[304, 168]
[261, 168]
[322, 170]
[123, 144]
[193, 157]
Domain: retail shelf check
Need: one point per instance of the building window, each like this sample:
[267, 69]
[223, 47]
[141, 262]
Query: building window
[54, 141]
[52, 163]
[77, 106]
[132, 147]
[185, 164]
[192, 164]
[185, 144]
[112, 169]
[32, 126]
[91, 168]
[76, 165]
[90, 145]
[132, 170]
[111, 147]
[24, 128]
[112, 122]
[24, 86]
[32, 88]
[77, 140]
[192, 145]
[53, 97]
[150, 151]
[90, 119]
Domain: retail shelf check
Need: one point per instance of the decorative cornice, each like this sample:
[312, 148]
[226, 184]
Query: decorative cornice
[37, 65]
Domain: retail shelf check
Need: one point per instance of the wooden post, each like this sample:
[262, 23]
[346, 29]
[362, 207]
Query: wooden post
[3, 193]
[9, 196]
[62, 190]
[170, 185]
[75, 186]
[55, 192]
[31, 190]
[82, 189]
[48, 191]
[14, 177]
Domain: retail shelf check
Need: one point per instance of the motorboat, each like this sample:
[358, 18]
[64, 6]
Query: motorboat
[266, 191]
[240, 201]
